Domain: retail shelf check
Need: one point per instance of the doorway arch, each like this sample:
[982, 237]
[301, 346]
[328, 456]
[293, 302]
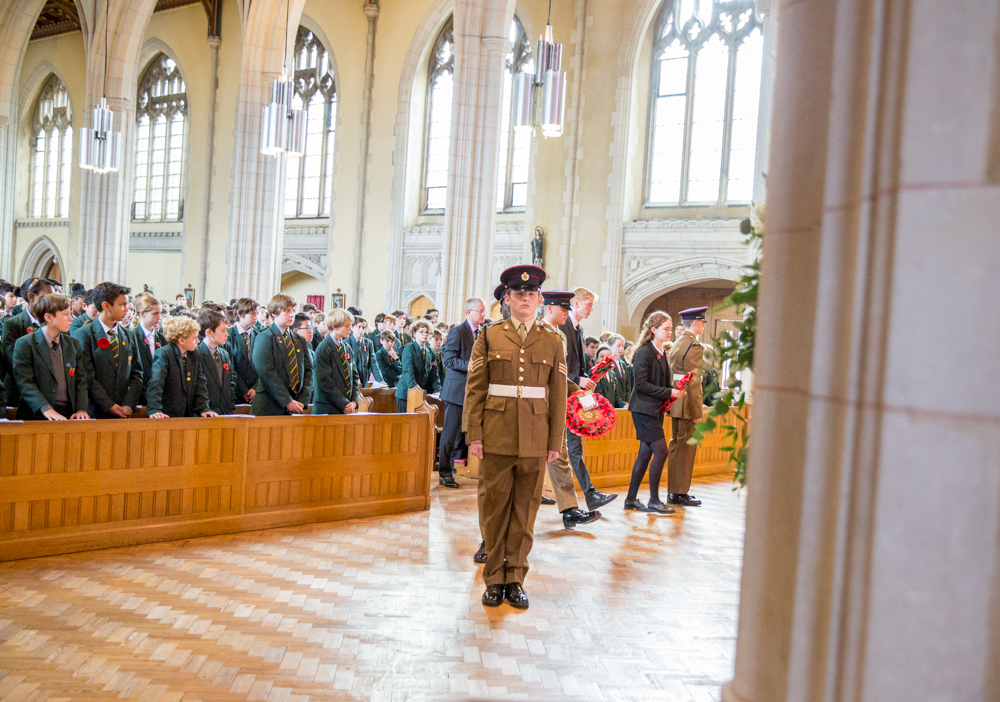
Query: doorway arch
[41, 260]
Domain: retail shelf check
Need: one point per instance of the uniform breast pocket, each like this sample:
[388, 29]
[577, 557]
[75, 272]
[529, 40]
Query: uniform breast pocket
[498, 362]
[541, 367]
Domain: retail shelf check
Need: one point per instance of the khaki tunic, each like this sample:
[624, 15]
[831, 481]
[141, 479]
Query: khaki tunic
[685, 356]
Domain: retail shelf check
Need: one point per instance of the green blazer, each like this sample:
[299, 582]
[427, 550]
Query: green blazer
[36, 376]
[13, 329]
[221, 398]
[108, 384]
[612, 388]
[363, 358]
[274, 384]
[335, 378]
[419, 370]
[391, 370]
[145, 357]
[174, 391]
[78, 322]
[241, 354]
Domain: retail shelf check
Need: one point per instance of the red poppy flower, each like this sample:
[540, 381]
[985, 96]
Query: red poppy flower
[225, 366]
[103, 343]
[157, 344]
[71, 372]
[30, 329]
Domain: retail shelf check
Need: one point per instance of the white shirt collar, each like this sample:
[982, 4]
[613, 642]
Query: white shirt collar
[573, 320]
[240, 329]
[106, 327]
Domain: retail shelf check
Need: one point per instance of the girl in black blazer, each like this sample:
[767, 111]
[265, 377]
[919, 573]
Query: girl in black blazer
[653, 387]
[177, 386]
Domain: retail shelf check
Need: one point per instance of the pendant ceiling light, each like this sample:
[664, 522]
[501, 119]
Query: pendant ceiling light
[283, 128]
[100, 146]
[540, 98]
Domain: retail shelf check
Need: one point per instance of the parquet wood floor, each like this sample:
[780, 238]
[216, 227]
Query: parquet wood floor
[632, 607]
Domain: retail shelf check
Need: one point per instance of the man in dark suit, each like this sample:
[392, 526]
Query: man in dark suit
[21, 324]
[46, 365]
[239, 345]
[281, 358]
[335, 380]
[114, 374]
[576, 371]
[220, 378]
[363, 353]
[455, 354]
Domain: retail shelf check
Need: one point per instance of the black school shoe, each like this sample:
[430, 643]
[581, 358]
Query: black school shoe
[574, 517]
[493, 597]
[480, 556]
[684, 500]
[597, 499]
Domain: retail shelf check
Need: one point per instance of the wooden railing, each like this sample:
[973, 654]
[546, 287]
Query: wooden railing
[74, 486]
[610, 458]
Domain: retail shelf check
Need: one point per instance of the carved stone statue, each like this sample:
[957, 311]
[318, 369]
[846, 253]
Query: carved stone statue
[537, 247]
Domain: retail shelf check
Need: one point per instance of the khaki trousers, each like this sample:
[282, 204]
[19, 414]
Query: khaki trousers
[561, 480]
[680, 460]
[509, 491]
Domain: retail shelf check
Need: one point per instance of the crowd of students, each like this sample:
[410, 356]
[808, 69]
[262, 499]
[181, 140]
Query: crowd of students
[101, 353]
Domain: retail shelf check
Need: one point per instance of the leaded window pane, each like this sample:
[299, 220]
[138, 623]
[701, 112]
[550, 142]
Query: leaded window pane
[309, 178]
[515, 144]
[437, 139]
[705, 77]
[161, 121]
[52, 152]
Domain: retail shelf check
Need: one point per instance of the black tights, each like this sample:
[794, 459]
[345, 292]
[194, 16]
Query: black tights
[658, 452]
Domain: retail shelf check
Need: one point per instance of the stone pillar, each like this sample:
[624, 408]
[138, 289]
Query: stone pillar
[371, 11]
[481, 45]
[872, 562]
[214, 42]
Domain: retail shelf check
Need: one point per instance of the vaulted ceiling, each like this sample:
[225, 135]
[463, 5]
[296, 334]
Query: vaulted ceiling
[61, 16]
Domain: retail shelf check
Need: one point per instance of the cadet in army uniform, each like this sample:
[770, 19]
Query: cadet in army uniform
[685, 356]
[514, 417]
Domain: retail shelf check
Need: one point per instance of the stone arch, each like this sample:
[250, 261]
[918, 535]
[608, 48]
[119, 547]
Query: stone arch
[671, 275]
[33, 87]
[39, 258]
[414, 296]
[419, 305]
[302, 264]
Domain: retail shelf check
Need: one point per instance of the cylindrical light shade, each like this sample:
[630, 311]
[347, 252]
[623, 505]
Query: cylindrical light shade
[282, 128]
[100, 147]
[553, 105]
[541, 60]
[523, 85]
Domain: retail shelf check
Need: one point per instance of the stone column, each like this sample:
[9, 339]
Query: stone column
[371, 11]
[872, 562]
[214, 42]
[481, 45]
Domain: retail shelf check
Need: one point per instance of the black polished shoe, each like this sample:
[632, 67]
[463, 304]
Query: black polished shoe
[493, 597]
[684, 500]
[635, 505]
[480, 556]
[448, 481]
[572, 517]
[547, 500]
[659, 508]
[596, 498]
[516, 596]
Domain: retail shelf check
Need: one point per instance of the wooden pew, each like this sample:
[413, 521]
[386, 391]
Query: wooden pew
[74, 486]
[383, 399]
[610, 458]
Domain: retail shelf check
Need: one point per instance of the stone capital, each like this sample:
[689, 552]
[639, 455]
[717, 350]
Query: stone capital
[371, 11]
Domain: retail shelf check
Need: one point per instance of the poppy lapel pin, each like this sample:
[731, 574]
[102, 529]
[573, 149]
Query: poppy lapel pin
[225, 367]
[103, 343]
[72, 371]
[157, 344]
[30, 329]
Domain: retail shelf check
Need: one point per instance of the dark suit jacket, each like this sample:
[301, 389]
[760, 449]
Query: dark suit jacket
[274, 383]
[171, 390]
[576, 358]
[363, 356]
[36, 376]
[241, 354]
[221, 398]
[653, 381]
[391, 370]
[13, 329]
[455, 354]
[108, 385]
[145, 357]
[417, 373]
[333, 386]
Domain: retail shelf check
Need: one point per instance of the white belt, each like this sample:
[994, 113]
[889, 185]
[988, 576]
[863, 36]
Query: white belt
[516, 391]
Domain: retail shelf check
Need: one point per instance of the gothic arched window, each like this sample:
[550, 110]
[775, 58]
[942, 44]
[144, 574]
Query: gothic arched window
[52, 130]
[515, 144]
[437, 130]
[159, 157]
[309, 178]
[704, 94]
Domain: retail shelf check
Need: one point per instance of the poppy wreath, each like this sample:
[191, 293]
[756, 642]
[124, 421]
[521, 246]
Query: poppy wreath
[594, 422]
[103, 343]
[681, 384]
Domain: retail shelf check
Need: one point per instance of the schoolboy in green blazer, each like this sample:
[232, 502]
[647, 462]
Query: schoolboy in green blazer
[419, 365]
[47, 367]
[16, 326]
[280, 356]
[216, 364]
[335, 378]
[177, 387]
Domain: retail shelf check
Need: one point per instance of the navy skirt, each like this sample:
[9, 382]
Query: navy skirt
[648, 428]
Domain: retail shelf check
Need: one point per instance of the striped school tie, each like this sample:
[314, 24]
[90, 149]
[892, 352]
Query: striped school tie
[293, 364]
[343, 361]
[113, 341]
[246, 342]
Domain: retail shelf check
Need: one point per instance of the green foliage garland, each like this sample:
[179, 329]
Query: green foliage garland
[728, 402]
